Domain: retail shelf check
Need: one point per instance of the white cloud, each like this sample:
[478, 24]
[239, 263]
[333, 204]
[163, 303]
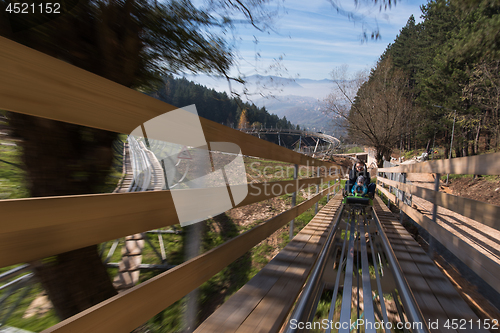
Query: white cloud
[315, 38]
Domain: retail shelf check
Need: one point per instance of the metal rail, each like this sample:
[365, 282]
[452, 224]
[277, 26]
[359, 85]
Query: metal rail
[312, 289]
[15, 271]
[286, 131]
[358, 246]
[412, 310]
[145, 178]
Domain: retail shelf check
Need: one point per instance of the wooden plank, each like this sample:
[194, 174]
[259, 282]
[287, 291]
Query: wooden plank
[235, 310]
[36, 84]
[483, 266]
[126, 311]
[272, 311]
[476, 210]
[247, 298]
[388, 195]
[35, 228]
[263, 309]
[428, 303]
[487, 164]
[433, 311]
[447, 296]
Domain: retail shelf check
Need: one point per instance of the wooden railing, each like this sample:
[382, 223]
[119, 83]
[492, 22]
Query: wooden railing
[34, 228]
[479, 211]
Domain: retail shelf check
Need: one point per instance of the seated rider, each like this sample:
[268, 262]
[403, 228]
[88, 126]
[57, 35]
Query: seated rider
[360, 187]
[360, 170]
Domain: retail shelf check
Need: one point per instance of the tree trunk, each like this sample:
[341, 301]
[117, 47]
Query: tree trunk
[381, 153]
[428, 145]
[66, 159]
[476, 139]
[379, 156]
[74, 280]
[446, 146]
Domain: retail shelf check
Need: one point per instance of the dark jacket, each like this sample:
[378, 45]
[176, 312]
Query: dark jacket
[354, 174]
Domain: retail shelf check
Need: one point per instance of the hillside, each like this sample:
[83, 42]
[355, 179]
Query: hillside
[213, 105]
[299, 100]
[221, 108]
[304, 111]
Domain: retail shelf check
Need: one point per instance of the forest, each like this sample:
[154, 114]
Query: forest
[221, 108]
[439, 78]
[216, 106]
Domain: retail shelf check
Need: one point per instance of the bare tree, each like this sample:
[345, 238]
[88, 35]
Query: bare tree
[373, 110]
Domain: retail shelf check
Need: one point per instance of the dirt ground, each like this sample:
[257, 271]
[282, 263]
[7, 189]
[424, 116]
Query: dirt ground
[487, 190]
[262, 211]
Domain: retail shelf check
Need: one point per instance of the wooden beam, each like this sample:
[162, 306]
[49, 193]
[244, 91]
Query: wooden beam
[35, 228]
[483, 266]
[264, 302]
[387, 194]
[128, 310]
[479, 211]
[36, 84]
[487, 164]
[263, 191]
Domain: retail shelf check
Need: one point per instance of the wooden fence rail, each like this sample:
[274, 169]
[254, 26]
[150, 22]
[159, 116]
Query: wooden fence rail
[143, 301]
[36, 84]
[479, 211]
[488, 164]
[482, 212]
[36, 228]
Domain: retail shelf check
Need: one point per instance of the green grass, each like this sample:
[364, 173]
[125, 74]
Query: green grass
[453, 176]
[355, 150]
[35, 323]
[324, 308]
[412, 153]
[491, 178]
[12, 176]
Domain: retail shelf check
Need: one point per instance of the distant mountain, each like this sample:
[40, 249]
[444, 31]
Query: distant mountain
[299, 100]
[216, 106]
[304, 111]
[269, 86]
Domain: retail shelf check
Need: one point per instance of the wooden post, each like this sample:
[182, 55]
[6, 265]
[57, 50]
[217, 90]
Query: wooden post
[317, 191]
[194, 234]
[294, 197]
[328, 195]
[430, 251]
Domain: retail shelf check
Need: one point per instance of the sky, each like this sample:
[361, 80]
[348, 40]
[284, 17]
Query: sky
[313, 39]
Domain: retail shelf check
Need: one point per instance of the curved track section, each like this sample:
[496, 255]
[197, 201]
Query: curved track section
[142, 172]
[325, 137]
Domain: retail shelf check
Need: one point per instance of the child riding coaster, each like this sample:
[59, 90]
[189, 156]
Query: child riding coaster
[360, 189]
